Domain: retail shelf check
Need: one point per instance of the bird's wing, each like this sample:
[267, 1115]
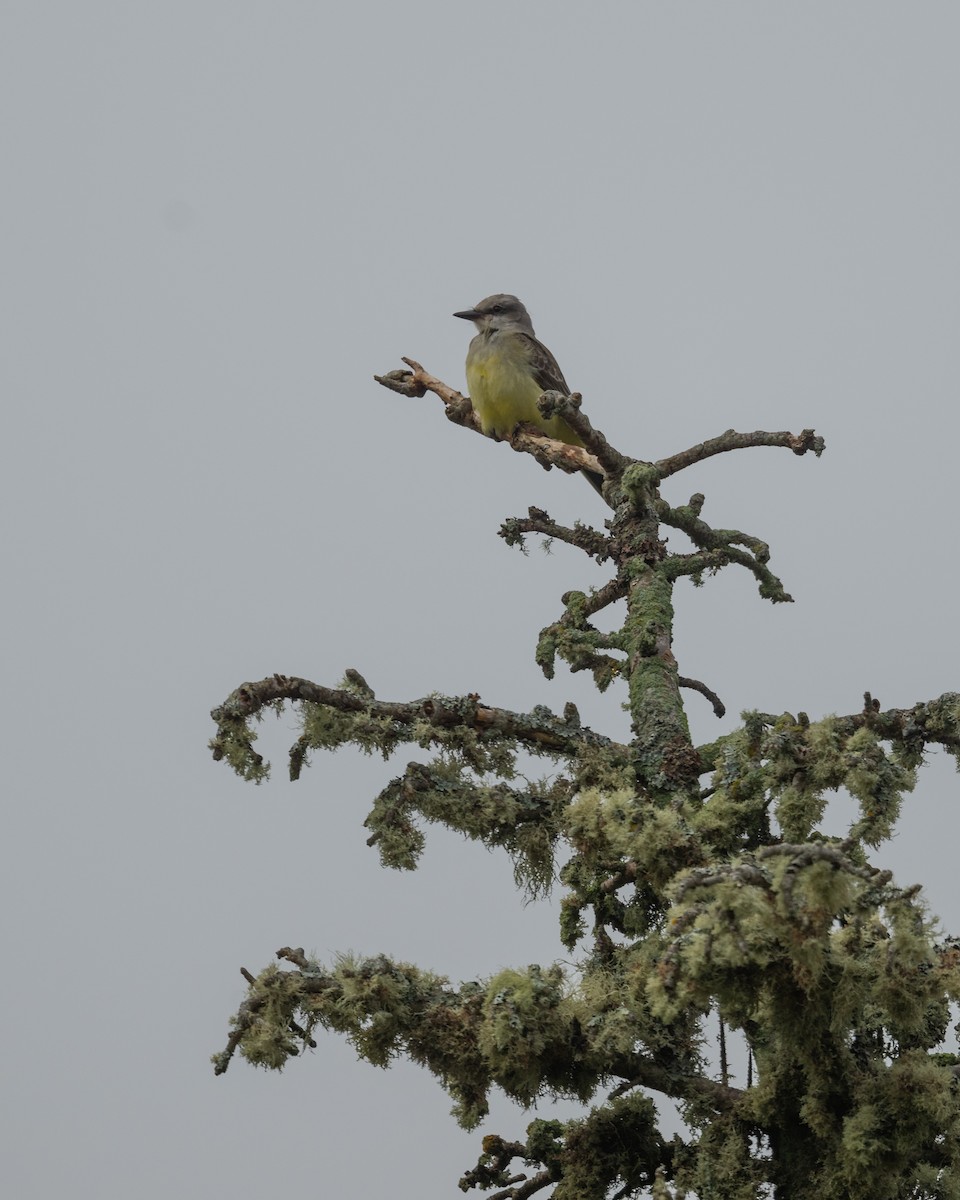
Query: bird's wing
[544, 367]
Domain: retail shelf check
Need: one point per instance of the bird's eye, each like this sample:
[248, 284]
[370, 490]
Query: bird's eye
[497, 308]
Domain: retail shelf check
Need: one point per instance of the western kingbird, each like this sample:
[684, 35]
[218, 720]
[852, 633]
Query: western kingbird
[508, 370]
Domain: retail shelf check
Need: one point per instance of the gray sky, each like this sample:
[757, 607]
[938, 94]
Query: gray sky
[220, 219]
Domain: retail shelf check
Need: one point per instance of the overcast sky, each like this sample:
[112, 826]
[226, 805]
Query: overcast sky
[219, 220]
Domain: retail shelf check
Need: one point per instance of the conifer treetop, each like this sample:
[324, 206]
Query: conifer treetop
[701, 883]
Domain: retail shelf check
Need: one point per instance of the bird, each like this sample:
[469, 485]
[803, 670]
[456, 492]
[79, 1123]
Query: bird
[508, 370]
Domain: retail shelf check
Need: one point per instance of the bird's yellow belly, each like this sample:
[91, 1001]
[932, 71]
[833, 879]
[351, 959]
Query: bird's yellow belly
[503, 394]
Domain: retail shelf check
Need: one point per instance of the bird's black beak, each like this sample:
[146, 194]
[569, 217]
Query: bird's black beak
[469, 314]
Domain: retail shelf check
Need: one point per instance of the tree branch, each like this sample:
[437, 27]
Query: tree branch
[528, 1188]
[719, 548]
[527, 439]
[388, 1008]
[695, 685]
[385, 725]
[548, 452]
[597, 545]
[931, 722]
[731, 440]
[928, 723]
[568, 409]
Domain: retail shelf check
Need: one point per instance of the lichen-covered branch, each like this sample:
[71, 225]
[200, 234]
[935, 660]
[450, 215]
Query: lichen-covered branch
[597, 545]
[718, 548]
[792, 764]
[351, 714]
[525, 821]
[616, 1144]
[928, 723]
[528, 1032]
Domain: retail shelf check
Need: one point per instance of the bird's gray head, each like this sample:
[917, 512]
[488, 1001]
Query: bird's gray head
[501, 311]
